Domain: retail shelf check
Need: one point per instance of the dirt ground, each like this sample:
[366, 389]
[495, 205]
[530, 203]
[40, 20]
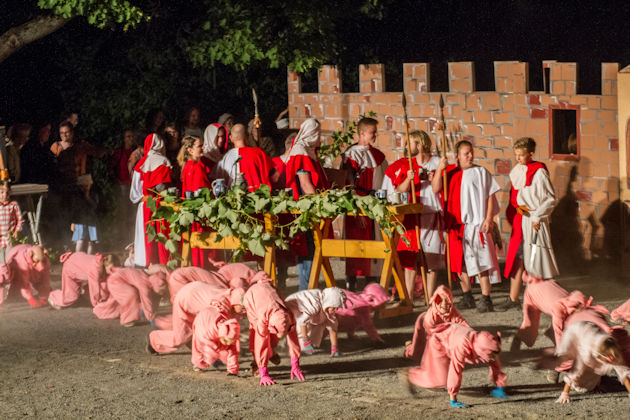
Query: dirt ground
[69, 364]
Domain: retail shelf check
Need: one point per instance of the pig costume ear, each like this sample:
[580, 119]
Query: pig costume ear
[238, 283]
[333, 297]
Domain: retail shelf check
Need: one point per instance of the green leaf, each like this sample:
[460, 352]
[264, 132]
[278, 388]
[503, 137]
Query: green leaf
[256, 247]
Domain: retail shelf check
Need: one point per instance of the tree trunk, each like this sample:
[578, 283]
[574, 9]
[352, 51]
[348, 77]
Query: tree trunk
[19, 36]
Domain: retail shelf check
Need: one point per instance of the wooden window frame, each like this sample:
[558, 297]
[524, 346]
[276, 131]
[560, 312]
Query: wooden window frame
[560, 156]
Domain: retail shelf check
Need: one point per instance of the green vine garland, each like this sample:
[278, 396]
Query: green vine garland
[234, 214]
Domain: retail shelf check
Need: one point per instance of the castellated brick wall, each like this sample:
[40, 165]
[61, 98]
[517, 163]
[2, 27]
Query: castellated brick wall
[490, 120]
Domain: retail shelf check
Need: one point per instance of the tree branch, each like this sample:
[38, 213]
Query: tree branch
[19, 36]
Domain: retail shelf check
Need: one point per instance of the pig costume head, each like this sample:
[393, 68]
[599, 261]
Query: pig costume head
[484, 344]
[229, 328]
[38, 258]
[158, 282]
[374, 294]
[237, 283]
[280, 321]
[261, 277]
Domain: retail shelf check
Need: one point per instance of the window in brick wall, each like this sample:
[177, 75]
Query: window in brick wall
[564, 132]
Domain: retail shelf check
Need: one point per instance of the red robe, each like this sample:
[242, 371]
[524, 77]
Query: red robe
[161, 175]
[195, 175]
[516, 218]
[362, 227]
[401, 166]
[256, 166]
[284, 258]
[281, 167]
[319, 180]
[453, 217]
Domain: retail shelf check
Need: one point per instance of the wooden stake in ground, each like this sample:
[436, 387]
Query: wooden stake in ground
[444, 192]
[423, 273]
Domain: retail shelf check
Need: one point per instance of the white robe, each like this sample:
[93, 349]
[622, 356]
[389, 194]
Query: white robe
[540, 198]
[477, 185]
[227, 168]
[135, 195]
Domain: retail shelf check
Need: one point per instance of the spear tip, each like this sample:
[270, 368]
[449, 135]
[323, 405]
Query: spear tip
[404, 100]
[441, 101]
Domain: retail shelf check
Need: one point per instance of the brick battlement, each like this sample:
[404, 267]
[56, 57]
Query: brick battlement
[491, 120]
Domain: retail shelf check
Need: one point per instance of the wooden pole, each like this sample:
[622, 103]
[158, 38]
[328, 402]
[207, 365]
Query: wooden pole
[423, 273]
[445, 194]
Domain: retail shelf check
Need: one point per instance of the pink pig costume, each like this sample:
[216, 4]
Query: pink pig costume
[269, 317]
[359, 308]
[449, 347]
[542, 296]
[28, 276]
[229, 276]
[308, 308]
[190, 300]
[209, 325]
[79, 267]
[622, 312]
[131, 290]
[430, 319]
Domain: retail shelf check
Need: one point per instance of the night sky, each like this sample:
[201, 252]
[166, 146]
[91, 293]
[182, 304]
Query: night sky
[587, 32]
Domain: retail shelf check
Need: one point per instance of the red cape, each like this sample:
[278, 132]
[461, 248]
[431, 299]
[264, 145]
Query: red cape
[305, 163]
[256, 166]
[195, 175]
[453, 217]
[366, 176]
[516, 218]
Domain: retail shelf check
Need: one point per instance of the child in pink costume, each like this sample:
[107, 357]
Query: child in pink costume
[594, 348]
[270, 320]
[216, 338]
[315, 312]
[182, 276]
[441, 310]
[29, 269]
[449, 347]
[622, 313]
[130, 291]
[359, 308]
[541, 296]
[190, 300]
[77, 268]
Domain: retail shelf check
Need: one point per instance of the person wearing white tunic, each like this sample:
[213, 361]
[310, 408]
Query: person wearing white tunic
[530, 246]
[473, 252]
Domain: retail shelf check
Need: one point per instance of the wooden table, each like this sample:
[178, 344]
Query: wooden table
[32, 211]
[208, 240]
[357, 248]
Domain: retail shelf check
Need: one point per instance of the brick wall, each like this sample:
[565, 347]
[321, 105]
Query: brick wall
[490, 120]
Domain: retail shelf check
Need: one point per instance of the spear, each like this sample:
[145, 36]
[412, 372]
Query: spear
[413, 200]
[257, 121]
[444, 191]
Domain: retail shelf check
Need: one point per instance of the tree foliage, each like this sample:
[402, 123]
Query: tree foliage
[100, 13]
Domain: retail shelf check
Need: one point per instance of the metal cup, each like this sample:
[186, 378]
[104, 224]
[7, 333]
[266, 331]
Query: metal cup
[188, 194]
[381, 194]
[394, 198]
[404, 197]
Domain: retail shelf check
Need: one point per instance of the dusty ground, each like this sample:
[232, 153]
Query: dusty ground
[68, 364]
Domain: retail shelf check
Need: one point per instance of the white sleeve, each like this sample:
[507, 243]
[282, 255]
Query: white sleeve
[135, 193]
[543, 191]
